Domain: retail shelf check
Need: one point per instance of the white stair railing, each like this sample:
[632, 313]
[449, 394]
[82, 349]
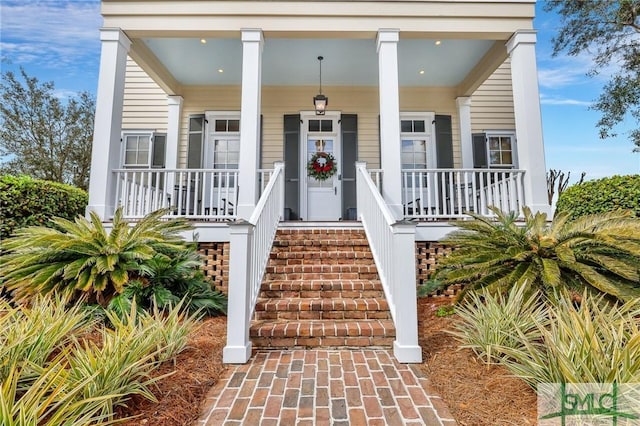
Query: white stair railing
[250, 246]
[393, 246]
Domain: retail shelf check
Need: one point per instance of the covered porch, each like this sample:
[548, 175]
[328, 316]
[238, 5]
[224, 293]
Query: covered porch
[205, 108]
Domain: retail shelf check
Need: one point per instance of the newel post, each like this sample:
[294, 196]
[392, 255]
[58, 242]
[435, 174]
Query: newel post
[405, 347]
[238, 348]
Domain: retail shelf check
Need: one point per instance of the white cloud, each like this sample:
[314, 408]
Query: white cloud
[557, 100]
[560, 77]
[51, 34]
[65, 94]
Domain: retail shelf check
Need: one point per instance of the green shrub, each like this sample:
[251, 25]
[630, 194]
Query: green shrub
[491, 322]
[166, 280]
[601, 196]
[29, 202]
[82, 259]
[595, 342]
[599, 252]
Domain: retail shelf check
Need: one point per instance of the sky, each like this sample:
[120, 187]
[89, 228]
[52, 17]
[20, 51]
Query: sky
[58, 40]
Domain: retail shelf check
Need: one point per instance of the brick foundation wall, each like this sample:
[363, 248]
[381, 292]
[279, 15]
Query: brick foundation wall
[216, 264]
[427, 253]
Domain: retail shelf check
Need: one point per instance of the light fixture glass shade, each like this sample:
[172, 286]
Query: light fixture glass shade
[320, 102]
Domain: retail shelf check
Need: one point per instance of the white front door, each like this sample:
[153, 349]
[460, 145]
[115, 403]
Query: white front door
[321, 199]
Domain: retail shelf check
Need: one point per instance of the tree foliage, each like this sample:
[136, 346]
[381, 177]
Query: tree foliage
[40, 135]
[610, 32]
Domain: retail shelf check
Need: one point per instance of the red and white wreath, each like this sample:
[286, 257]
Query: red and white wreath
[321, 166]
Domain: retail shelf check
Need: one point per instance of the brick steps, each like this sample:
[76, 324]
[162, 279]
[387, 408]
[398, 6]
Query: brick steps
[325, 333]
[326, 288]
[322, 308]
[321, 288]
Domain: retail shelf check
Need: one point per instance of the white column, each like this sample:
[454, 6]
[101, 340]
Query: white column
[464, 116]
[391, 162]
[105, 155]
[405, 347]
[252, 43]
[526, 105]
[238, 347]
[174, 104]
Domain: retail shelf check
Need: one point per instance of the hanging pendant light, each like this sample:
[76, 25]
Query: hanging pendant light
[320, 101]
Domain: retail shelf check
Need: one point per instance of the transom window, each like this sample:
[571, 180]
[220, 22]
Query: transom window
[321, 125]
[226, 125]
[412, 126]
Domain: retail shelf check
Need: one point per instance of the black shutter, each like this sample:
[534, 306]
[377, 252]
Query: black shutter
[349, 129]
[196, 140]
[292, 166]
[444, 142]
[158, 150]
[479, 141]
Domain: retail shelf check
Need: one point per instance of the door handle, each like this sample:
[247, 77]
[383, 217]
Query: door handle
[335, 190]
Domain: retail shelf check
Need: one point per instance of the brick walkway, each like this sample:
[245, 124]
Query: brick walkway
[324, 387]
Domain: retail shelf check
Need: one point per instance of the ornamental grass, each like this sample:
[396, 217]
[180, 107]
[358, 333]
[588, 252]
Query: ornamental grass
[60, 367]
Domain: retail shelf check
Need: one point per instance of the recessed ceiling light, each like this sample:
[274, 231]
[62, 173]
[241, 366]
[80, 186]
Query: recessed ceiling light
[421, 72]
[220, 70]
[203, 41]
[438, 42]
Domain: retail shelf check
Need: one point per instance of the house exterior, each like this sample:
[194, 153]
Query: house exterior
[207, 108]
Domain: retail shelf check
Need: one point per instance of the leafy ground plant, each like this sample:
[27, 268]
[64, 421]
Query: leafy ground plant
[599, 252]
[594, 342]
[30, 335]
[82, 259]
[492, 322]
[165, 280]
[87, 376]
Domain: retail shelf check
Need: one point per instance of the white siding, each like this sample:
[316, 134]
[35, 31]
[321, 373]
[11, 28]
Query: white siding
[145, 103]
[492, 103]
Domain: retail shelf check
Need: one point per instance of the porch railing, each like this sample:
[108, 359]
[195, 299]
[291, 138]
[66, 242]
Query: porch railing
[191, 193]
[393, 247]
[250, 246]
[451, 193]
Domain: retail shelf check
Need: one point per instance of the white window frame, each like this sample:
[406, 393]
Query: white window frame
[514, 153]
[211, 135]
[123, 138]
[428, 135]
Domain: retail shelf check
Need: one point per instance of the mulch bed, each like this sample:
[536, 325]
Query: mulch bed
[180, 395]
[477, 395]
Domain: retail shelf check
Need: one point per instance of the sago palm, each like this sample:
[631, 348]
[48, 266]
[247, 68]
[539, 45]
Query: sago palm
[82, 258]
[598, 252]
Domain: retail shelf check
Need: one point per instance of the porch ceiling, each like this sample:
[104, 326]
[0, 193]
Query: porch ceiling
[352, 62]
